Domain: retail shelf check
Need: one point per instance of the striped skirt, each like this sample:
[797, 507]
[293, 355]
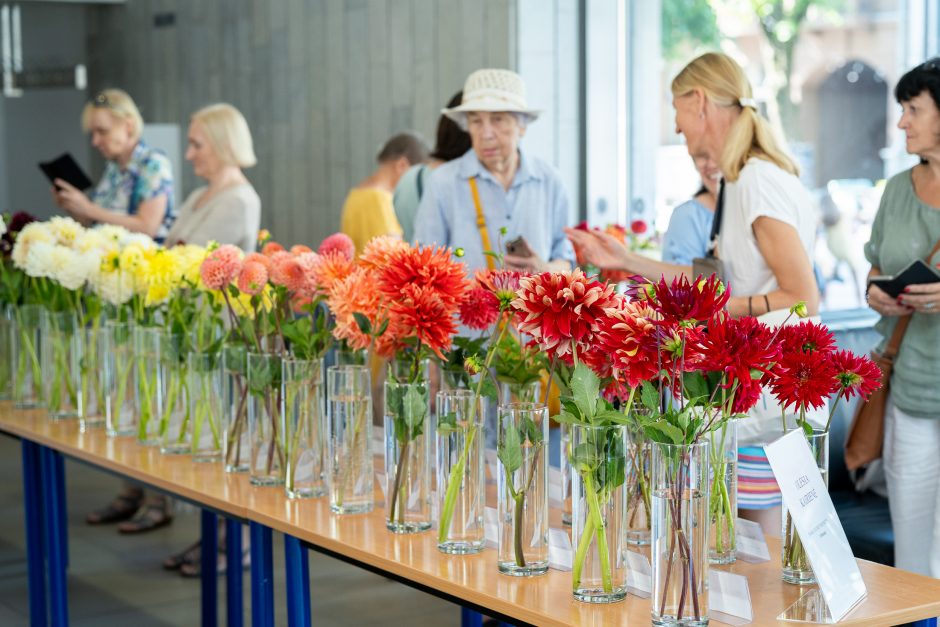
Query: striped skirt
[757, 488]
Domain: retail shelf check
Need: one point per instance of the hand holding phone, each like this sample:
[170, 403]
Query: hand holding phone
[519, 247]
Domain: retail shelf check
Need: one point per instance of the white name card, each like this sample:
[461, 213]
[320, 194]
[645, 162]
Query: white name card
[806, 496]
[560, 553]
[729, 598]
[751, 545]
[639, 575]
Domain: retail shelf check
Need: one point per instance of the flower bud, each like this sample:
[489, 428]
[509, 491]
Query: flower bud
[473, 365]
[800, 309]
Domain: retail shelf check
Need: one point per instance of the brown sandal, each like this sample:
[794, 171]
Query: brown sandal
[186, 556]
[122, 507]
[148, 517]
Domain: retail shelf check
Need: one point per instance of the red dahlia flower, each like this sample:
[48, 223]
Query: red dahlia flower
[421, 313]
[479, 309]
[560, 310]
[630, 338]
[856, 375]
[803, 381]
[806, 337]
[501, 283]
[686, 302]
[426, 267]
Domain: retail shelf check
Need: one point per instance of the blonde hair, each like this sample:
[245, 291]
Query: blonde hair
[228, 133]
[726, 85]
[119, 104]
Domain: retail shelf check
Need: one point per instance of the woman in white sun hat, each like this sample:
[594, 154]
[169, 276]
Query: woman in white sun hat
[496, 185]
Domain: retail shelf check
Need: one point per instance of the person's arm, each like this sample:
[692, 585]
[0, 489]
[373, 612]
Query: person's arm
[147, 220]
[780, 246]
[604, 251]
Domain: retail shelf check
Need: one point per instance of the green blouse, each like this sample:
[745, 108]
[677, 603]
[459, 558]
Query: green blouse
[906, 229]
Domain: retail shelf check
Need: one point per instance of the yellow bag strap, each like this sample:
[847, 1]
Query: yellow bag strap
[481, 224]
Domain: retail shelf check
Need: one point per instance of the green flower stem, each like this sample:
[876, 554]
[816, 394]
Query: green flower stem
[594, 525]
[238, 425]
[397, 494]
[171, 397]
[455, 481]
[148, 385]
[346, 476]
[519, 498]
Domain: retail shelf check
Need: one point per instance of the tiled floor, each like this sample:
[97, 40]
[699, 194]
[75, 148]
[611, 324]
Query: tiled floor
[117, 580]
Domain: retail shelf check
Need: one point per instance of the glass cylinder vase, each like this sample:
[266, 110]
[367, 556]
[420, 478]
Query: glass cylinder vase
[407, 454]
[522, 489]
[148, 365]
[530, 392]
[599, 505]
[173, 389]
[265, 405]
[461, 480]
[117, 357]
[796, 565]
[26, 350]
[680, 481]
[639, 505]
[304, 428]
[205, 406]
[349, 440]
[60, 360]
[564, 472]
[7, 357]
[92, 377]
[723, 501]
[235, 445]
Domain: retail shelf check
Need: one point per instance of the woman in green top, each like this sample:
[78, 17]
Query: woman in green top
[906, 228]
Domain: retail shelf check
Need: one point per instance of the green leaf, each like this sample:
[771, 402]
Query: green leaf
[447, 423]
[649, 396]
[585, 388]
[585, 457]
[414, 408]
[488, 389]
[566, 419]
[664, 433]
[510, 449]
[695, 385]
[382, 328]
[363, 323]
[570, 406]
[530, 431]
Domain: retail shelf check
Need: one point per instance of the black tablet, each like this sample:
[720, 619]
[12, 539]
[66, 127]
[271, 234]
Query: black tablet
[916, 273]
[64, 167]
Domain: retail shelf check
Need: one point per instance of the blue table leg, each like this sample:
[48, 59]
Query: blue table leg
[298, 582]
[60, 477]
[262, 577]
[234, 605]
[55, 532]
[209, 557]
[470, 618]
[928, 622]
[35, 560]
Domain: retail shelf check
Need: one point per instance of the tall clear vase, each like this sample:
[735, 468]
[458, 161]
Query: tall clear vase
[681, 474]
[530, 392]
[92, 377]
[265, 406]
[148, 343]
[27, 344]
[639, 467]
[461, 419]
[7, 328]
[349, 440]
[723, 501]
[236, 445]
[60, 360]
[522, 489]
[599, 506]
[304, 428]
[796, 565]
[407, 453]
[206, 413]
[564, 434]
[173, 390]
[117, 358]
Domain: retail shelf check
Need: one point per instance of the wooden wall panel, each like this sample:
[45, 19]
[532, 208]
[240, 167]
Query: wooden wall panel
[322, 83]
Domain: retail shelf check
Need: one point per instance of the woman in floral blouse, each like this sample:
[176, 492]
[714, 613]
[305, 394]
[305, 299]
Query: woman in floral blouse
[136, 190]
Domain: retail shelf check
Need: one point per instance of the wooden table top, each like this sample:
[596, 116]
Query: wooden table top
[894, 596]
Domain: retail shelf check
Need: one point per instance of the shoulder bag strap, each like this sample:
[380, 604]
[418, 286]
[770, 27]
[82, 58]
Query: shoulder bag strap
[901, 327]
[481, 224]
[716, 222]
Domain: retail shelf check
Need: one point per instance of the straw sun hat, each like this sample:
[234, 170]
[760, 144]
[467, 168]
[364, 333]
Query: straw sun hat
[491, 90]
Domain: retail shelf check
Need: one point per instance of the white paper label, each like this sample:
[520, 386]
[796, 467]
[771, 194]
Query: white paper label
[805, 495]
[491, 527]
[560, 553]
[639, 574]
[729, 598]
[751, 545]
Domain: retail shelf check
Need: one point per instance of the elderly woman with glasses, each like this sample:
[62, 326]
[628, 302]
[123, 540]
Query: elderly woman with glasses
[906, 228]
[136, 190]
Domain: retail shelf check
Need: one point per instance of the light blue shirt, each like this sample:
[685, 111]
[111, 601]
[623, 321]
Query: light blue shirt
[535, 207]
[686, 237]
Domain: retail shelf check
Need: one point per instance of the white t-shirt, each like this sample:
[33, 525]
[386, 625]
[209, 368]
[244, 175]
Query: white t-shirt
[762, 189]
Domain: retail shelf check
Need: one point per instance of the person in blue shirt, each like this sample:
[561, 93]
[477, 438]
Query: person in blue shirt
[686, 237]
[514, 193]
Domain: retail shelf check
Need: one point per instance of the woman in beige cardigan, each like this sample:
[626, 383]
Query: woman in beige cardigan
[227, 210]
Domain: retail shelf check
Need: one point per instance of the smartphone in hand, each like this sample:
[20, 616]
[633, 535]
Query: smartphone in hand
[519, 247]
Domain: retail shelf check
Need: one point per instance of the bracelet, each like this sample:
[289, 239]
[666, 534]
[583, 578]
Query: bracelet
[750, 305]
[767, 302]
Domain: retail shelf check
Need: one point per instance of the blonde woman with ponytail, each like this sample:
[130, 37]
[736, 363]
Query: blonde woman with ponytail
[768, 224]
